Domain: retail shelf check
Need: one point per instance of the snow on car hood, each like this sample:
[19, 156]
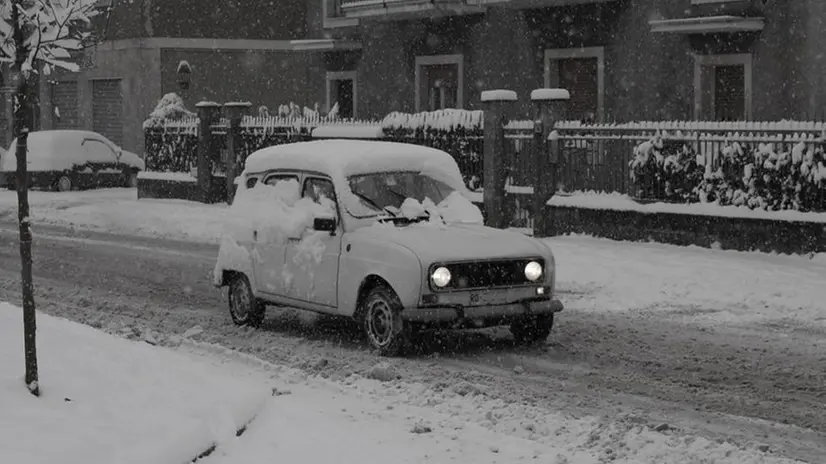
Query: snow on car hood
[450, 242]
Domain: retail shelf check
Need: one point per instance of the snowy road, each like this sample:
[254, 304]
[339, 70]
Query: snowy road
[677, 365]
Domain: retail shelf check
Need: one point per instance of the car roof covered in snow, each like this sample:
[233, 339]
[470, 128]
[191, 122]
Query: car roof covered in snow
[340, 159]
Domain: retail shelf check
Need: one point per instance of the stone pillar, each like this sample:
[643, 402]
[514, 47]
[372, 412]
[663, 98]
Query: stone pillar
[209, 113]
[549, 107]
[235, 111]
[495, 103]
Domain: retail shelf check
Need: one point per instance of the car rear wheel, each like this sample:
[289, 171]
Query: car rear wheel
[532, 328]
[244, 308]
[382, 321]
[63, 184]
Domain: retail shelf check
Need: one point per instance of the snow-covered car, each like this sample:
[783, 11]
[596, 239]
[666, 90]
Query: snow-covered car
[68, 159]
[381, 232]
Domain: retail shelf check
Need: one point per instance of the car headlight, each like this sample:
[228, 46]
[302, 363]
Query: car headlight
[533, 271]
[440, 277]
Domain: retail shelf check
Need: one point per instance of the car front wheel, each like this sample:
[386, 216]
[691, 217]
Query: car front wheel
[382, 320]
[532, 328]
[63, 184]
[131, 179]
[244, 308]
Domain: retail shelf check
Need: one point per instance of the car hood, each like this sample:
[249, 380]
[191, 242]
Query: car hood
[456, 242]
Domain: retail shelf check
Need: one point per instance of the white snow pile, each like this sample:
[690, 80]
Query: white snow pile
[455, 209]
[171, 106]
[621, 202]
[275, 214]
[444, 120]
[105, 399]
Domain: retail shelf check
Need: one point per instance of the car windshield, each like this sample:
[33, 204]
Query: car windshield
[383, 192]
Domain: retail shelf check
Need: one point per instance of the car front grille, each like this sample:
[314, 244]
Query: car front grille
[485, 274]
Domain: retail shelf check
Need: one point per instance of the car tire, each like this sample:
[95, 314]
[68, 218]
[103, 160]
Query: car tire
[381, 317]
[532, 328]
[244, 307]
[63, 184]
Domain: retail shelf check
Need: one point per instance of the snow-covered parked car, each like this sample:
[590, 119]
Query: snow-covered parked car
[68, 159]
[382, 232]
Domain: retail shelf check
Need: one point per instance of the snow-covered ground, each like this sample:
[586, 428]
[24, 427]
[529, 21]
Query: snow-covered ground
[107, 400]
[379, 418]
[697, 284]
[119, 210]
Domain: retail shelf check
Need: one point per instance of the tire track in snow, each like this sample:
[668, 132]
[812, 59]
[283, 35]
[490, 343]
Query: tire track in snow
[597, 363]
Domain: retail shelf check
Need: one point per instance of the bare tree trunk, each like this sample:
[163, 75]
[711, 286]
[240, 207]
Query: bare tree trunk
[22, 111]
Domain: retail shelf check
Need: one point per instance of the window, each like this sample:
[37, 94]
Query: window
[333, 16]
[722, 87]
[318, 189]
[251, 182]
[322, 192]
[341, 91]
[439, 82]
[98, 152]
[286, 186]
[582, 72]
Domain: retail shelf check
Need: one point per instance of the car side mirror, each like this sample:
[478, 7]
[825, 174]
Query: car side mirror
[325, 224]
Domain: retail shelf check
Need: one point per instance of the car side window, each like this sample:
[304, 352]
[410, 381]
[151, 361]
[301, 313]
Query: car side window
[318, 189]
[251, 182]
[277, 179]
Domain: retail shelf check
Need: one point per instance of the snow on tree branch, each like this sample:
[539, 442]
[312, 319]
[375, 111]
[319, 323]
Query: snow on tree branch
[53, 29]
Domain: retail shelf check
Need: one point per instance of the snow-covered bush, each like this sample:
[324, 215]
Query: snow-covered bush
[665, 170]
[754, 175]
[168, 148]
[170, 107]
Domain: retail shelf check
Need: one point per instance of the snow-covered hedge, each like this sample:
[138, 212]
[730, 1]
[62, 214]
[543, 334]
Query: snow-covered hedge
[458, 132]
[755, 174]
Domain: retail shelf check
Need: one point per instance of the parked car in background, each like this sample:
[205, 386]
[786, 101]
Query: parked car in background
[381, 232]
[72, 159]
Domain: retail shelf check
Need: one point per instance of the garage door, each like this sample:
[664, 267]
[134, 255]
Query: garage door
[107, 109]
[64, 100]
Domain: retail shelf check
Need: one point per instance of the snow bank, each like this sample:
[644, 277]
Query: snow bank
[120, 211]
[273, 215]
[105, 399]
[620, 202]
[718, 287]
[172, 176]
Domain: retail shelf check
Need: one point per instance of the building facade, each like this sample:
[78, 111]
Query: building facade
[236, 52]
[621, 59]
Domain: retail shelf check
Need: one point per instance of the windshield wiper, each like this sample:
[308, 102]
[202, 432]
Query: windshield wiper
[372, 203]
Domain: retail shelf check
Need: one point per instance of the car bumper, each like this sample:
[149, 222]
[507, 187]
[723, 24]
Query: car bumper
[484, 312]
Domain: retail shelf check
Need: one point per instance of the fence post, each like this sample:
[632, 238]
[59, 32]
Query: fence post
[549, 107]
[494, 102]
[208, 112]
[235, 113]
